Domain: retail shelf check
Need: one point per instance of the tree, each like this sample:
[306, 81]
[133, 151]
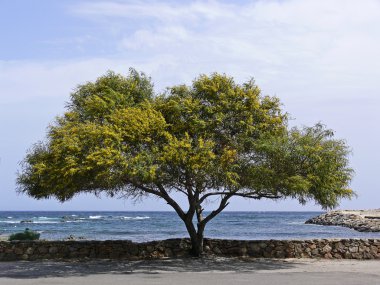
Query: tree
[213, 140]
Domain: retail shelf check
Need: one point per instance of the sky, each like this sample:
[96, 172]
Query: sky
[321, 58]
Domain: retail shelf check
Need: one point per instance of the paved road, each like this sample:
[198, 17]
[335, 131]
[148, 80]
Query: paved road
[218, 271]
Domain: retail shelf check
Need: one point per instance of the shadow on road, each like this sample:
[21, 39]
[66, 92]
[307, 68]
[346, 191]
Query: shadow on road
[43, 269]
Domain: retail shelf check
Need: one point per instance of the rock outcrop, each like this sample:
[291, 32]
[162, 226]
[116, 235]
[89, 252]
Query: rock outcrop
[361, 220]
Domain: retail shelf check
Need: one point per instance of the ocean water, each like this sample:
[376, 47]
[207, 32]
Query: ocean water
[146, 226]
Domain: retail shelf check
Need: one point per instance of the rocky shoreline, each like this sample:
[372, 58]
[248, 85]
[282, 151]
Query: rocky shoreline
[359, 220]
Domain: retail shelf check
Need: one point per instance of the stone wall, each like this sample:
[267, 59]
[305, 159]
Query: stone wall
[317, 248]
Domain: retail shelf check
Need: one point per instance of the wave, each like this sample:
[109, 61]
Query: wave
[135, 218]
[69, 219]
[295, 223]
[142, 218]
[46, 218]
[26, 222]
[30, 222]
[46, 222]
[95, 217]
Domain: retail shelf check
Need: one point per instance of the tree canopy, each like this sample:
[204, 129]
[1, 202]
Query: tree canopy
[213, 139]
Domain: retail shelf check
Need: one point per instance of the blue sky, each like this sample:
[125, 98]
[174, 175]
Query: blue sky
[320, 57]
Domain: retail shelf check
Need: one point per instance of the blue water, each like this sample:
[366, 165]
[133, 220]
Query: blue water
[145, 226]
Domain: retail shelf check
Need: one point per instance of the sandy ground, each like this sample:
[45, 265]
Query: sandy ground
[220, 271]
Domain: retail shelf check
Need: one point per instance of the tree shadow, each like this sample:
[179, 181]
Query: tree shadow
[43, 269]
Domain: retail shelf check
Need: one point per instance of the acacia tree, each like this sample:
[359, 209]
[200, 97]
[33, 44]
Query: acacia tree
[210, 141]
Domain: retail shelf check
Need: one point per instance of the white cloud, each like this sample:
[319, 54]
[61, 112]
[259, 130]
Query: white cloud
[298, 47]
[287, 45]
[162, 11]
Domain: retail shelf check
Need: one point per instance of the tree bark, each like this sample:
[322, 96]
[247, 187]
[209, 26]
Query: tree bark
[197, 246]
[196, 238]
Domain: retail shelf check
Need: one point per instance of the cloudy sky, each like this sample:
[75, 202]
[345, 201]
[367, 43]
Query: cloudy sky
[322, 58]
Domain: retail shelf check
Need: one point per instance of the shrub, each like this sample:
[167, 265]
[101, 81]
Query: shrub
[26, 235]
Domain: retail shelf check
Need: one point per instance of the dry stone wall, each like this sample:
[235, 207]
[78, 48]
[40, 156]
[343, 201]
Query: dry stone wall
[123, 249]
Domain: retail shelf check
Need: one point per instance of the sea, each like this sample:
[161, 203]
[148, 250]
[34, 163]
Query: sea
[147, 226]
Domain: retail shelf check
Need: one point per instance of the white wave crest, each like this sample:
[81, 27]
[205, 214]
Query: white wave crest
[30, 222]
[95, 217]
[135, 218]
[45, 218]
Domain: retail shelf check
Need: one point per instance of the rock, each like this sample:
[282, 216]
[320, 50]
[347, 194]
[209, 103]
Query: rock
[150, 248]
[353, 249]
[53, 250]
[326, 249]
[29, 250]
[42, 250]
[315, 252]
[18, 251]
[133, 249]
[168, 252]
[216, 250]
[72, 237]
[280, 254]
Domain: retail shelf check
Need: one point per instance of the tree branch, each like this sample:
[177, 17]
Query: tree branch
[223, 204]
[146, 189]
[251, 195]
[179, 190]
[164, 194]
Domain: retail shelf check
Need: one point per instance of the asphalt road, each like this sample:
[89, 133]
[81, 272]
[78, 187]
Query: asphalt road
[220, 271]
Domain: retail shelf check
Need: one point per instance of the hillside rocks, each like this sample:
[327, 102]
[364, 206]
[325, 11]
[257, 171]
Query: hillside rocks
[124, 249]
[362, 220]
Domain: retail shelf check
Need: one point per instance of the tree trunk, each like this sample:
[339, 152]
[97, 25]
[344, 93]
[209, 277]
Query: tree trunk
[196, 238]
[197, 245]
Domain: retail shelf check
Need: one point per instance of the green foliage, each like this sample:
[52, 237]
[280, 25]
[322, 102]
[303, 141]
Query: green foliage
[212, 140]
[25, 235]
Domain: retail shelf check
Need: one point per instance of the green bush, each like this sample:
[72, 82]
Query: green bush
[26, 235]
